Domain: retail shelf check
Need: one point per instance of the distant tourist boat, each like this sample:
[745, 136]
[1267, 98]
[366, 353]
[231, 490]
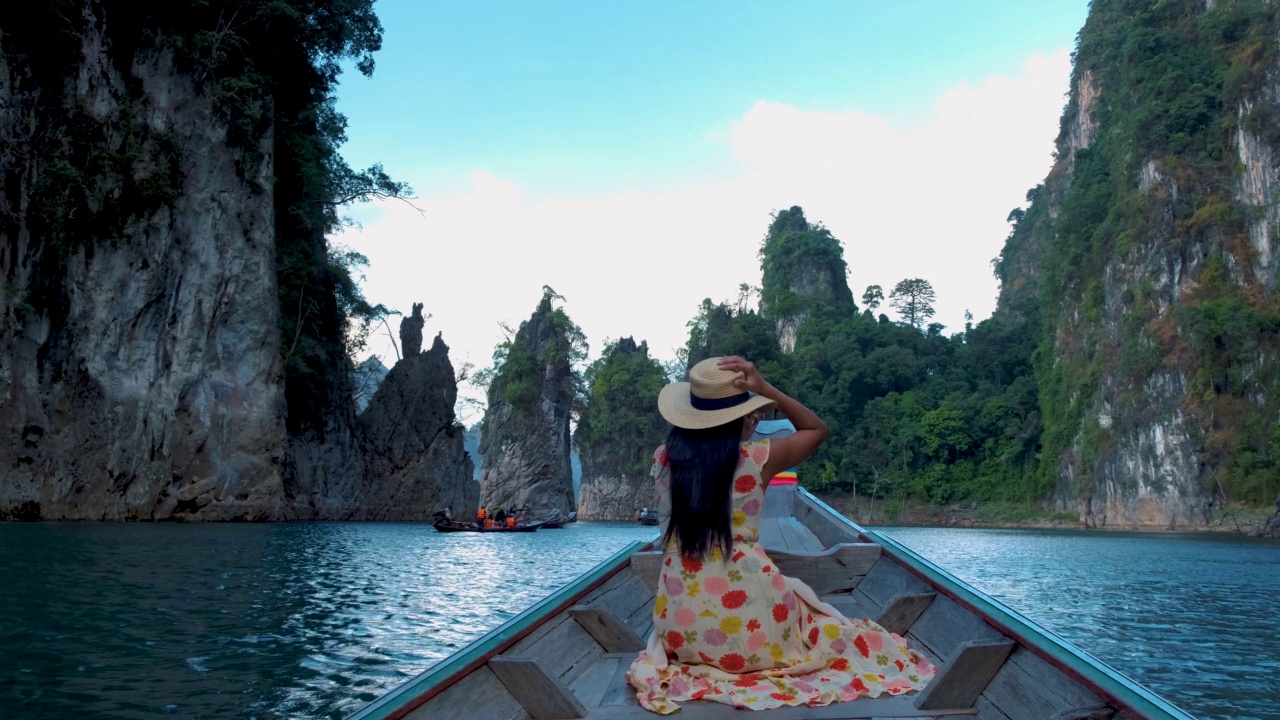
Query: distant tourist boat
[557, 519]
[568, 655]
[648, 517]
[445, 525]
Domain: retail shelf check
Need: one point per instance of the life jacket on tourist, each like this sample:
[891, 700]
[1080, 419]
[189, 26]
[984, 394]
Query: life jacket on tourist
[511, 522]
[480, 514]
[488, 523]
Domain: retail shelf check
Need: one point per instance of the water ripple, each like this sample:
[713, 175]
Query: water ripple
[256, 621]
[1194, 617]
[314, 620]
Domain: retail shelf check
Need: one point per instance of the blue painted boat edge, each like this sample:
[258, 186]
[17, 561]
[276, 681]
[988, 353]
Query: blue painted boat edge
[1103, 677]
[457, 665]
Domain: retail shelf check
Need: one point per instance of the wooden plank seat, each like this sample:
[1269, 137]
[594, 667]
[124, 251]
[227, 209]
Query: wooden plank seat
[541, 695]
[612, 634]
[967, 675]
[837, 569]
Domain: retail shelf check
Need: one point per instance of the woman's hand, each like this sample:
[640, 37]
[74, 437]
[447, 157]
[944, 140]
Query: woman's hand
[750, 381]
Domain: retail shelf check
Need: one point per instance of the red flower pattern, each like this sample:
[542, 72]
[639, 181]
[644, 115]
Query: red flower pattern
[861, 643]
[675, 640]
[732, 662]
[731, 584]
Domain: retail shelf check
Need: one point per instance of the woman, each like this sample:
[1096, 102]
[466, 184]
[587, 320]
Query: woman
[728, 626]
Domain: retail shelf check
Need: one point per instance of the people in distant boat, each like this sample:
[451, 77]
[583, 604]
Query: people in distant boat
[500, 517]
[481, 515]
[488, 523]
[511, 521]
[728, 627]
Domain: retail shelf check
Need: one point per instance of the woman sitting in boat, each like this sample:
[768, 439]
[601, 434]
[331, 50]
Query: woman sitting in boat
[728, 626]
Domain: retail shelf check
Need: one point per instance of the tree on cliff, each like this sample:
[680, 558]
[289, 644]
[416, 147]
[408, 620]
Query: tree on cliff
[534, 387]
[516, 375]
[1165, 145]
[618, 430]
[912, 414]
[803, 268]
[721, 329]
[913, 299]
[872, 298]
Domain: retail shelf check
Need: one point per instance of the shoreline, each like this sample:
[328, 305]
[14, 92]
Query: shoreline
[1243, 521]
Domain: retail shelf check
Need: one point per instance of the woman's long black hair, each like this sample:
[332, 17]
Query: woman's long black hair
[702, 463]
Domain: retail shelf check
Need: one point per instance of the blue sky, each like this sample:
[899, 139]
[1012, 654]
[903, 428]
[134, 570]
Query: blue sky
[573, 96]
[597, 146]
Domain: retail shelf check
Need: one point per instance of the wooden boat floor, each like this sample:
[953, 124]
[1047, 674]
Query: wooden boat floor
[788, 533]
[604, 691]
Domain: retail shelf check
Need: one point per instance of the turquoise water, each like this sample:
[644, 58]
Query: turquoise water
[313, 620]
[256, 621]
[1194, 617]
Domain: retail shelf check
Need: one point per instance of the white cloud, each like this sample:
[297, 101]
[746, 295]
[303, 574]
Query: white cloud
[927, 200]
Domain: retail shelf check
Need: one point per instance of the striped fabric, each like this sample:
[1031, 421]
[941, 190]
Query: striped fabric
[787, 477]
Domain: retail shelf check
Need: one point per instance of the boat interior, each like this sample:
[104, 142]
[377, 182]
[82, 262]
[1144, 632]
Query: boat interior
[568, 656]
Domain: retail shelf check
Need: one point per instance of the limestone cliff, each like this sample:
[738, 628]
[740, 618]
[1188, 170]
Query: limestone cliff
[803, 270]
[618, 431]
[525, 440]
[140, 372]
[366, 379]
[1146, 260]
[155, 221]
[416, 463]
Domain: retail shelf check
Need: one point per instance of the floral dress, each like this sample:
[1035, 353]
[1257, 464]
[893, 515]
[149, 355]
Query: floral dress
[736, 631]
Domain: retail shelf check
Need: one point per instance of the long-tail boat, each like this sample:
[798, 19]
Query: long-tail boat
[445, 525]
[568, 655]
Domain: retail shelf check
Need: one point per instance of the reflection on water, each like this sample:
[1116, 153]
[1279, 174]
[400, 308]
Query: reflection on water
[1194, 617]
[314, 620]
[284, 620]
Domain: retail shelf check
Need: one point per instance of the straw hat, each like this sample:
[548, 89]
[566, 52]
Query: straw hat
[708, 399]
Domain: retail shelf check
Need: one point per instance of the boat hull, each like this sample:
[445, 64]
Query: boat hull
[467, 527]
[572, 650]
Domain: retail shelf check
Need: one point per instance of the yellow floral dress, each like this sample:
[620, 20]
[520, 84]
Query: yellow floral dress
[736, 631]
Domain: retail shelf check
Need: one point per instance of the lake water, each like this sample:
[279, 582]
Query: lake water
[314, 620]
[1194, 617]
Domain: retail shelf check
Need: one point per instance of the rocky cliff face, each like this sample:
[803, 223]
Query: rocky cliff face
[413, 445]
[1147, 256]
[618, 431]
[141, 367]
[803, 271]
[139, 374]
[525, 439]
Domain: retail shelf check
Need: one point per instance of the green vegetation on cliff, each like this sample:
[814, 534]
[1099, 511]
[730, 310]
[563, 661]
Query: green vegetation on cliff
[803, 267]
[913, 413]
[620, 424]
[1174, 91]
[542, 356]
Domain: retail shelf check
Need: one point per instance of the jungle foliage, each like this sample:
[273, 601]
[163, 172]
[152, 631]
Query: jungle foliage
[913, 413]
